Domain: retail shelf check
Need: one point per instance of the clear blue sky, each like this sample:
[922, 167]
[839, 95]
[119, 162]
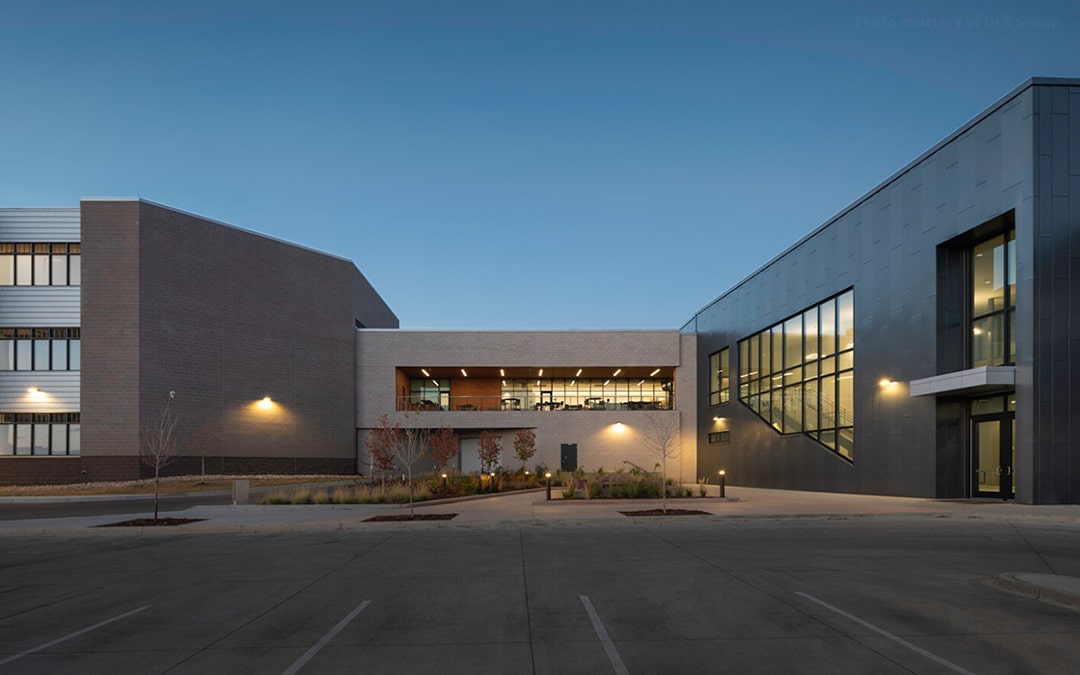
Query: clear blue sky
[507, 164]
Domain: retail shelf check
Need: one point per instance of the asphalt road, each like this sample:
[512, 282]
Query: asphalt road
[139, 506]
[772, 595]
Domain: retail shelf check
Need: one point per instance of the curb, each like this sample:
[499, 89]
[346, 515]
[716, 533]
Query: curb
[1055, 589]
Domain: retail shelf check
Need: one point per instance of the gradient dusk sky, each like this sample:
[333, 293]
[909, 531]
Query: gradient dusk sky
[608, 164]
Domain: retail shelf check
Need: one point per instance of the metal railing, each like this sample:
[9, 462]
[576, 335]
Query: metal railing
[519, 403]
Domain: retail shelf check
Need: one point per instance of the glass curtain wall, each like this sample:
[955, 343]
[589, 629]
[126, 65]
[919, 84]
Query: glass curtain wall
[798, 375]
[556, 394]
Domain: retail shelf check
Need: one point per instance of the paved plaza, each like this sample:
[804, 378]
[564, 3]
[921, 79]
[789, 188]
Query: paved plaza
[773, 582]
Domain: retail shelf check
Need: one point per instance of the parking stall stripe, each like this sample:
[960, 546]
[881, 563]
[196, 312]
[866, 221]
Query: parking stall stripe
[295, 667]
[601, 633]
[919, 650]
[73, 635]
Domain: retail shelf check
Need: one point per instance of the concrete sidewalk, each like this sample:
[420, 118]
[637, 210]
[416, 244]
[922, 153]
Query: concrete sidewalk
[531, 507]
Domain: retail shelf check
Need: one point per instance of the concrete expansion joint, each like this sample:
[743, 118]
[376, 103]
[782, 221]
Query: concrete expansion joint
[1055, 589]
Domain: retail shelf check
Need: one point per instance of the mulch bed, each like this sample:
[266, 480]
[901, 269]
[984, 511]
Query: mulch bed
[669, 512]
[419, 516]
[150, 522]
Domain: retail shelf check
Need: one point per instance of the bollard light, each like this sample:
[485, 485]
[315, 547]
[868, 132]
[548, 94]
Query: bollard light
[548, 476]
[723, 474]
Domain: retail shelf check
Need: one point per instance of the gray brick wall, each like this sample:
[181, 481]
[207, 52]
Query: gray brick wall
[223, 317]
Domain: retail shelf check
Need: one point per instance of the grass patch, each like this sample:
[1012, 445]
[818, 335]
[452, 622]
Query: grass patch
[395, 493]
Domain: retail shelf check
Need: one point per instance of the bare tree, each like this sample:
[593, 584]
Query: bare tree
[661, 435]
[409, 446]
[160, 444]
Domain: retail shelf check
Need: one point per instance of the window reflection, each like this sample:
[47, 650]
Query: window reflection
[39, 434]
[993, 290]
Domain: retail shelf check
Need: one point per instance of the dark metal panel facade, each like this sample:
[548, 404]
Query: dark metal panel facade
[896, 247]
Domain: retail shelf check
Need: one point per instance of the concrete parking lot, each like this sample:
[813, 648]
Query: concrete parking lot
[898, 591]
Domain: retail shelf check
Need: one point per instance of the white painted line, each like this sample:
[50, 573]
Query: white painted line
[919, 650]
[601, 633]
[73, 635]
[295, 668]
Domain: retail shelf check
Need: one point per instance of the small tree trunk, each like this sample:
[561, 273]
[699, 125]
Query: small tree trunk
[663, 483]
[412, 513]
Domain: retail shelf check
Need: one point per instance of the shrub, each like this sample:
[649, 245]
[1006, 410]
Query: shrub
[568, 491]
[592, 490]
[276, 497]
[344, 495]
[302, 496]
[322, 497]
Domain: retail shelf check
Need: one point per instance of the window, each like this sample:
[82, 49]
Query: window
[719, 378]
[719, 437]
[542, 393]
[798, 375]
[39, 348]
[993, 301]
[29, 434]
[40, 264]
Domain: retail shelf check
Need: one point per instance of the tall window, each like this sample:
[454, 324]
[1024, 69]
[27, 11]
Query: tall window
[40, 434]
[719, 378]
[993, 301]
[40, 348]
[40, 264]
[798, 375]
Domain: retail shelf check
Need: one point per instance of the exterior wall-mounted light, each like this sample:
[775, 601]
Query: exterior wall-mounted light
[266, 403]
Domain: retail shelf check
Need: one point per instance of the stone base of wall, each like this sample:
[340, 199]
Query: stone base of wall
[61, 470]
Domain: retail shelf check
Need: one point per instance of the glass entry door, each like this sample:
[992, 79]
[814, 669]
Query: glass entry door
[993, 455]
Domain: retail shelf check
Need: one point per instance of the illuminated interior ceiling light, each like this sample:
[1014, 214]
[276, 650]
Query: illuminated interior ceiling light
[977, 331]
[653, 373]
[811, 356]
[435, 382]
[463, 373]
[541, 373]
[504, 383]
[616, 373]
[789, 373]
[777, 377]
[572, 382]
[538, 383]
[606, 382]
[502, 372]
[578, 374]
[425, 372]
[641, 383]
